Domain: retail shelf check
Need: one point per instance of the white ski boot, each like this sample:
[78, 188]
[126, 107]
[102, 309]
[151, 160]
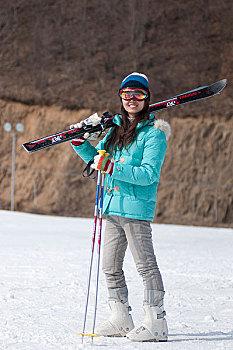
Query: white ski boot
[153, 328]
[119, 323]
[154, 325]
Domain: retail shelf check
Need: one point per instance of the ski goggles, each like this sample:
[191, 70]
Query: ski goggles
[138, 94]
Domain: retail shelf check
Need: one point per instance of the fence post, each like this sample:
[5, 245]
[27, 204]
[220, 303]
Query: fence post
[215, 205]
[35, 193]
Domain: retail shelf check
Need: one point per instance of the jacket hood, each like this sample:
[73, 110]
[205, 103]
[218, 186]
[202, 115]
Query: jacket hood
[163, 126]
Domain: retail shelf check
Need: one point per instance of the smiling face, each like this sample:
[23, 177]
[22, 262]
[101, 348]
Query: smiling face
[133, 107]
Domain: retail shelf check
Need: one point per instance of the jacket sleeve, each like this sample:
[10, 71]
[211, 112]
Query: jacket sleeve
[87, 151]
[150, 168]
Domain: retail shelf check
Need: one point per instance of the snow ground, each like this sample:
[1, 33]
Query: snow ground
[44, 262]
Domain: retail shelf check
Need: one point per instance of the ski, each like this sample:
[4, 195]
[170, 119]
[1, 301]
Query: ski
[67, 135]
[107, 119]
[190, 96]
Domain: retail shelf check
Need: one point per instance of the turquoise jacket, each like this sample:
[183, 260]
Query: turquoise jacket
[131, 190]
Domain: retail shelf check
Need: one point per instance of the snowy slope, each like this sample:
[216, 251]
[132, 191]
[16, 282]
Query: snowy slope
[44, 262]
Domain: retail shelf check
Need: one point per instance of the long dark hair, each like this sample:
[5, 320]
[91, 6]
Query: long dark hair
[121, 136]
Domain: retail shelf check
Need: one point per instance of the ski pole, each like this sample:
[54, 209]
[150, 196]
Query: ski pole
[99, 244]
[92, 248]
[93, 245]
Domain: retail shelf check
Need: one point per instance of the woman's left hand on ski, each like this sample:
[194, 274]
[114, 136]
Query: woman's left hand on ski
[93, 120]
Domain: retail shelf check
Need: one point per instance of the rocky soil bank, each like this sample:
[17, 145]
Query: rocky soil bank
[196, 182]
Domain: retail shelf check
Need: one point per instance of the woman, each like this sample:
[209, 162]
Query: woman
[137, 147]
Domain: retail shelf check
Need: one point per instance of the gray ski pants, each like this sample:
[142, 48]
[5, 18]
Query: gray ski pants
[120, 232]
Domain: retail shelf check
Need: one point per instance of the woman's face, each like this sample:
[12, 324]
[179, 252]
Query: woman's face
[133, 107]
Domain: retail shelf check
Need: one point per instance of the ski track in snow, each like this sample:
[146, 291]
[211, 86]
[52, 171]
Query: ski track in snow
[44, 265]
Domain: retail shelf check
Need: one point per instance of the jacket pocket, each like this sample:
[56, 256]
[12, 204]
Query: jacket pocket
[123, 189]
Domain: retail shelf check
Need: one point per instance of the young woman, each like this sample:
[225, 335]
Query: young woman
[137, 147]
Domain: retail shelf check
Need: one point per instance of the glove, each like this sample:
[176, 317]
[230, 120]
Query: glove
[93, 120]
[79, 141]
[103, 163]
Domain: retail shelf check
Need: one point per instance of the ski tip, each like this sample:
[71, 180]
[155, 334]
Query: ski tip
[217, 87]
[88, 335]
[223, 82]
[25, 147]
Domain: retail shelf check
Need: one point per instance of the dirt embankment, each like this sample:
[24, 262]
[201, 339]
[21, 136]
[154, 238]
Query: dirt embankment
[196, 182]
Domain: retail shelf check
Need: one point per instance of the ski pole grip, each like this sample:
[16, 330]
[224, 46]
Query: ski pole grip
[102, 152]
[105, 154]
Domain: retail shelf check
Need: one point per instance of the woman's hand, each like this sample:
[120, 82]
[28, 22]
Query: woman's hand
[93, 120]
[103, 163]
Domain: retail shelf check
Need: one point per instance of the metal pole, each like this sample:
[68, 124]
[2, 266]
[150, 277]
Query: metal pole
[92, 249]
[35, 193]
[215, 206]
[98, 251]
[13, 173]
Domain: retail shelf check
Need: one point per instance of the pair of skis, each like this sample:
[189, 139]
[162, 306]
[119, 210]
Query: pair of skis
[107, 119]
